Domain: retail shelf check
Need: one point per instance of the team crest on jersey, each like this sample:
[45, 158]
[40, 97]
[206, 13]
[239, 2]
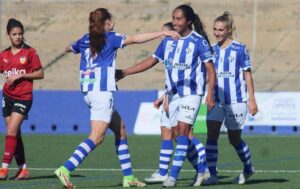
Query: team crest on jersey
[188, 50]
[23, 59]
[231, 58]
[205, 43]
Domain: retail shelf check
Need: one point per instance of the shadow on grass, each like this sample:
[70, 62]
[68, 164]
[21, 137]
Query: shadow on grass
[48, 177]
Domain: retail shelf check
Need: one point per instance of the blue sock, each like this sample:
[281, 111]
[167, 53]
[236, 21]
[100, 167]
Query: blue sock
[179, 155]
[165, 155]
[81, 152]
[202, 162]
[211, 149]
[192, 155]
[124, 156]
[244, 155]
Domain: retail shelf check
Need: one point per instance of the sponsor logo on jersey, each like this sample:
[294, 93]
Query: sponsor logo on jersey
[181, 66]
[23, 59]
[14, 71]
[225, 74]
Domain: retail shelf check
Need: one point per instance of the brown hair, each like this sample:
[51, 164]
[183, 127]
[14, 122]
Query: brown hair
[97, 29]
[190, 15]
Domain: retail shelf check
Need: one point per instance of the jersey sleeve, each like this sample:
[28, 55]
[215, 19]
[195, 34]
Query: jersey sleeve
[159, 52]
[117, 40]
[35, 60]
[205, 52]
[244, 59]
[75, 46]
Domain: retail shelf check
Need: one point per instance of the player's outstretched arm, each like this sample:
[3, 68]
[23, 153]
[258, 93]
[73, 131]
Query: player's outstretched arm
[144, 37]
[140, 67]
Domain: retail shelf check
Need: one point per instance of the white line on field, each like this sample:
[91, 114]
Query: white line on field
[151, 170]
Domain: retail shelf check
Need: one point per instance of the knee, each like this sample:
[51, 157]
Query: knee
[97, 138]
[11, 132]
[235, 141]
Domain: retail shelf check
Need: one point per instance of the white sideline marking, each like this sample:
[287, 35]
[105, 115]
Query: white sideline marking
[152, 170]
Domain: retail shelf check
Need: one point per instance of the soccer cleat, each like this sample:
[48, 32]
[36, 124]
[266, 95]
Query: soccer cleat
[211, 180]
[169, 182]
[156, 178]
[243, 177]
[22, 174]
[199, 179]
[64, 176]
[131, 181]
[3, 173]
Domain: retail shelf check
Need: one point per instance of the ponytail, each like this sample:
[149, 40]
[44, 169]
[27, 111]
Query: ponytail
[97, 20]
[199, 27]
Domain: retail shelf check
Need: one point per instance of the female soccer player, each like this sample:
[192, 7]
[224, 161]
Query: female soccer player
[98, 51]
[168, 133]
[187, 61]
[21, 65]
[234, 79]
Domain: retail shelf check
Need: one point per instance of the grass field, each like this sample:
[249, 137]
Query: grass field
[276, 159]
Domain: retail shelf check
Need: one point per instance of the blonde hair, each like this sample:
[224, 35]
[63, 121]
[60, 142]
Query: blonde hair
[227, 18]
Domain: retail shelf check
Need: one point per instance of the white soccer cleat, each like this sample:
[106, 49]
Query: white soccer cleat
[243, 177]
[199, 179]
[169, 182]
[156, 178]
[211, 180]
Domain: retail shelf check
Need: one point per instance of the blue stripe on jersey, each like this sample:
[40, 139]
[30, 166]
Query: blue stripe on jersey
[226, 80]
[103, 82]
[193, 84]
[238, 88]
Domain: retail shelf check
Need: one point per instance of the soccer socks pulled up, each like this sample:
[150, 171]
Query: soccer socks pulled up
[20, 154]
[192, 155]
[81, 152]
[9, 151]
[165, 155]
[202, 163]
[124, 156]
[211, 149]
[244, 155]
[179, 155]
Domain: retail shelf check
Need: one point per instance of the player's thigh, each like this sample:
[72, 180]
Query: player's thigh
[101, 105]
[214, 120]
[174, 102]
[235, 116]
[188, 108]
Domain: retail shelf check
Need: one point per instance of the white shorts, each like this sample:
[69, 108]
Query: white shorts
[233, 115]
[101, 104]
[184, 109]
[165, 119]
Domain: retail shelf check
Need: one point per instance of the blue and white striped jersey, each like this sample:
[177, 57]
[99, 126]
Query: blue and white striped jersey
[230, 64]
[184, 63]
[98, 73]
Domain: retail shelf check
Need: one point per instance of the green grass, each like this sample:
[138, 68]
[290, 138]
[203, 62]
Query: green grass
[45, 153]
